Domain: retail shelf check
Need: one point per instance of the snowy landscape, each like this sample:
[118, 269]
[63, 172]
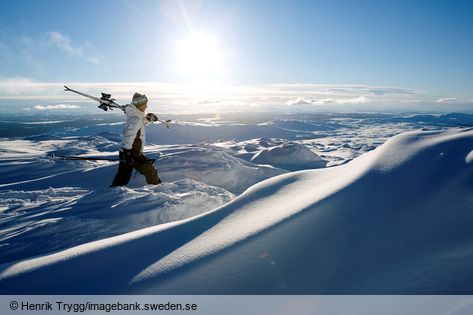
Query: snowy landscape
[257, 203]
[236, 157]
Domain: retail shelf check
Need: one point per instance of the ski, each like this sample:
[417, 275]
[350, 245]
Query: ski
[107, 102]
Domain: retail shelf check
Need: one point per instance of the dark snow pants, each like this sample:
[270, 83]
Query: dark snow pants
[142, 165]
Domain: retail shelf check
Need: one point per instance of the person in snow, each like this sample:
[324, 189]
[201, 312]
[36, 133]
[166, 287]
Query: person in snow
[131, 152]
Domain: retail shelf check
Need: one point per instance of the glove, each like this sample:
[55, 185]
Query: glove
[150, 118]
[127, 157]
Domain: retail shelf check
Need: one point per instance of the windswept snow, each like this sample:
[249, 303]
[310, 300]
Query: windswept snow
[395, 220]
[44, 221]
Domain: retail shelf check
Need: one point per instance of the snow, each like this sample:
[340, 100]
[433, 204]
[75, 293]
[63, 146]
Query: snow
[213, 166]
[65, 217]
[392, 220]
[469, 157]
[353, 220]
[291, 156]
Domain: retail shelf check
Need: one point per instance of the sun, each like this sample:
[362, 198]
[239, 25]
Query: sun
[200, 57]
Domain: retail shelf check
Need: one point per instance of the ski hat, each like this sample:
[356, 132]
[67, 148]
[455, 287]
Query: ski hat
[139, 99]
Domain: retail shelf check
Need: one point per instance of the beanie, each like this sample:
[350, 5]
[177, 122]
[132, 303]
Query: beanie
[139, 99]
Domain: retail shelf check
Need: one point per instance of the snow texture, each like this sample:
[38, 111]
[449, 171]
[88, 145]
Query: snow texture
[44, 221]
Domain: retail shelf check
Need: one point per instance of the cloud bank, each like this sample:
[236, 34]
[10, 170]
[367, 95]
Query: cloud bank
[327, 101]
[447, 100]
[176, 98]
[58, 106]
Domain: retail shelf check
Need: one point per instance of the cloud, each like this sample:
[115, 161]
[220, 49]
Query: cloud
[94, 60]
[391, 91]
[86, 51]
[23, 88]
[347, 90]
[355, 100]
[58, 106]
[63, 42]
[18, 86]
[299, 101]
[447, 100]
[326, 101]
[323, 101]
[34, 51]
[178, 98]
[206, 102]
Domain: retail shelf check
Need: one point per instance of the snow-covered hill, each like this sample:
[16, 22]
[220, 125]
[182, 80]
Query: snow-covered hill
[396, 220]
[292, 156]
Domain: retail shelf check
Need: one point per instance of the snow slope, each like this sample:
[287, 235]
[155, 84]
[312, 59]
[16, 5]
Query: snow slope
[396, 220]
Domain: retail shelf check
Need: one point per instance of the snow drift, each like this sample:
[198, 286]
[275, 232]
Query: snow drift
[44, 221]
[213, 166]
[396, 220]
[291, 156]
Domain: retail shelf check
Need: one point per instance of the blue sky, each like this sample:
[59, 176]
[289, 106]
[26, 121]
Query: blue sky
[421, 46]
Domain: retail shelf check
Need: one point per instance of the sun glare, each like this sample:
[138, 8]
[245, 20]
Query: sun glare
[200, 57]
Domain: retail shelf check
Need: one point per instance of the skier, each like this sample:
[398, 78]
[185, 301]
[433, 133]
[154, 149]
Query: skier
[131, 154]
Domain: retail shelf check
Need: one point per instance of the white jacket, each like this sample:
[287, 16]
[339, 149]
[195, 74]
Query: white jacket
[134, 122]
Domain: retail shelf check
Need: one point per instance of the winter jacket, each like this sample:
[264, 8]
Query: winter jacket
[134, 127]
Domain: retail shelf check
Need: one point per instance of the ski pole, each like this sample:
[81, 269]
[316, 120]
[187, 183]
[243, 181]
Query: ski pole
[165, 122]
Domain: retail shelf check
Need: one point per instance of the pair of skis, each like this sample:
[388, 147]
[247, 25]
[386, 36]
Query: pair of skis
[107, 102]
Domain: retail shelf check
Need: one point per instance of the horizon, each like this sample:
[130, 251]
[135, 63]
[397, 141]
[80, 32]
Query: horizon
[207, 56]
